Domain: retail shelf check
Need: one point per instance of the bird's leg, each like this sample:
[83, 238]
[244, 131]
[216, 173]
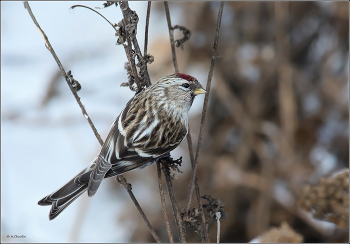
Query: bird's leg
[169, 163]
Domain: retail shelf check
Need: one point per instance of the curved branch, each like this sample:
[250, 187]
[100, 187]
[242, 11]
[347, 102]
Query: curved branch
[83, 6]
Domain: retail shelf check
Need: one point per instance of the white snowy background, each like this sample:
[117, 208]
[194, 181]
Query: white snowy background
[42, 147]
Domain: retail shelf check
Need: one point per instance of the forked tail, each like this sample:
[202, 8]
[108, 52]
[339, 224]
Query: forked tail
[63, 197]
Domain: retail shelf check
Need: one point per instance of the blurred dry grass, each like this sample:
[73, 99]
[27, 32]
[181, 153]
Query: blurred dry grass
[278, 112]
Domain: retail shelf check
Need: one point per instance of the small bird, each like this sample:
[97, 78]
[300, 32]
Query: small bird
[152, 124]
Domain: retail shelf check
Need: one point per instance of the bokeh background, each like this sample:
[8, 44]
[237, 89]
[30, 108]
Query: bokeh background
[278, 116]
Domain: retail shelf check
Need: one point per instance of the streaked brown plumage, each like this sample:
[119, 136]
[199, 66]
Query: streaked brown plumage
[153, 123]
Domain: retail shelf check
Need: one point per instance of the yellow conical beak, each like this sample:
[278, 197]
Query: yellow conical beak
[199, 91]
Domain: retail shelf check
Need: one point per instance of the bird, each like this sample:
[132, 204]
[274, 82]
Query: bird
[153, 123]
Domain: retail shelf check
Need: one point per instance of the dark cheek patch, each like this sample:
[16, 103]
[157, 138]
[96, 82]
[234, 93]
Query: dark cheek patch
[185, 77]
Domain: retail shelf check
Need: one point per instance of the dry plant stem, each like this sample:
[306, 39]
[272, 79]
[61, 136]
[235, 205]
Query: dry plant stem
[161, 192]
[128, 52]
[205, 105]
[148, 82]
[49, 47]
[175, 207]
[171, 35]
[190, 147]
[146, 28]
[218, 216]
[127, 186]
[124, 6]
[204, 237]
[120, 177]
[128, 48]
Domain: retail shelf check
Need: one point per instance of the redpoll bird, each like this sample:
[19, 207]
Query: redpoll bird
[153, 123]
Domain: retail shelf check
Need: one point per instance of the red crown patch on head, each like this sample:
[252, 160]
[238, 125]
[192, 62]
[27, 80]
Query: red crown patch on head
[185, 77]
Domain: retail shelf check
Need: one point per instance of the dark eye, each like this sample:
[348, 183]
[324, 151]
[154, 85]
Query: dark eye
[186, 85]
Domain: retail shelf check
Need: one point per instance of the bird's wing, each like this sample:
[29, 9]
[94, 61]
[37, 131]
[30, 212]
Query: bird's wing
[139, 156]
[112, 150]
[146, 137]
[162, 141]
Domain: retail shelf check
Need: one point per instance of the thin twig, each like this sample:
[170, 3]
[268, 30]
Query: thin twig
[189, 144]
[65, 75]
[146, 57]
[168, 179]
[69, 82]
[146, 28]
[175, 207]
[204, 236]
[161, 191]
[171, 35]
[218, 216]
[83, 6]
[205, 105]
[127, 186]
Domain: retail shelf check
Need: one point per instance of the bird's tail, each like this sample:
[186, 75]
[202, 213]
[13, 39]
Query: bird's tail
[64, 196]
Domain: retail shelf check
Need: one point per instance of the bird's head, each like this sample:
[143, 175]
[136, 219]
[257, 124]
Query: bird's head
[180, 88]
[173, 94]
